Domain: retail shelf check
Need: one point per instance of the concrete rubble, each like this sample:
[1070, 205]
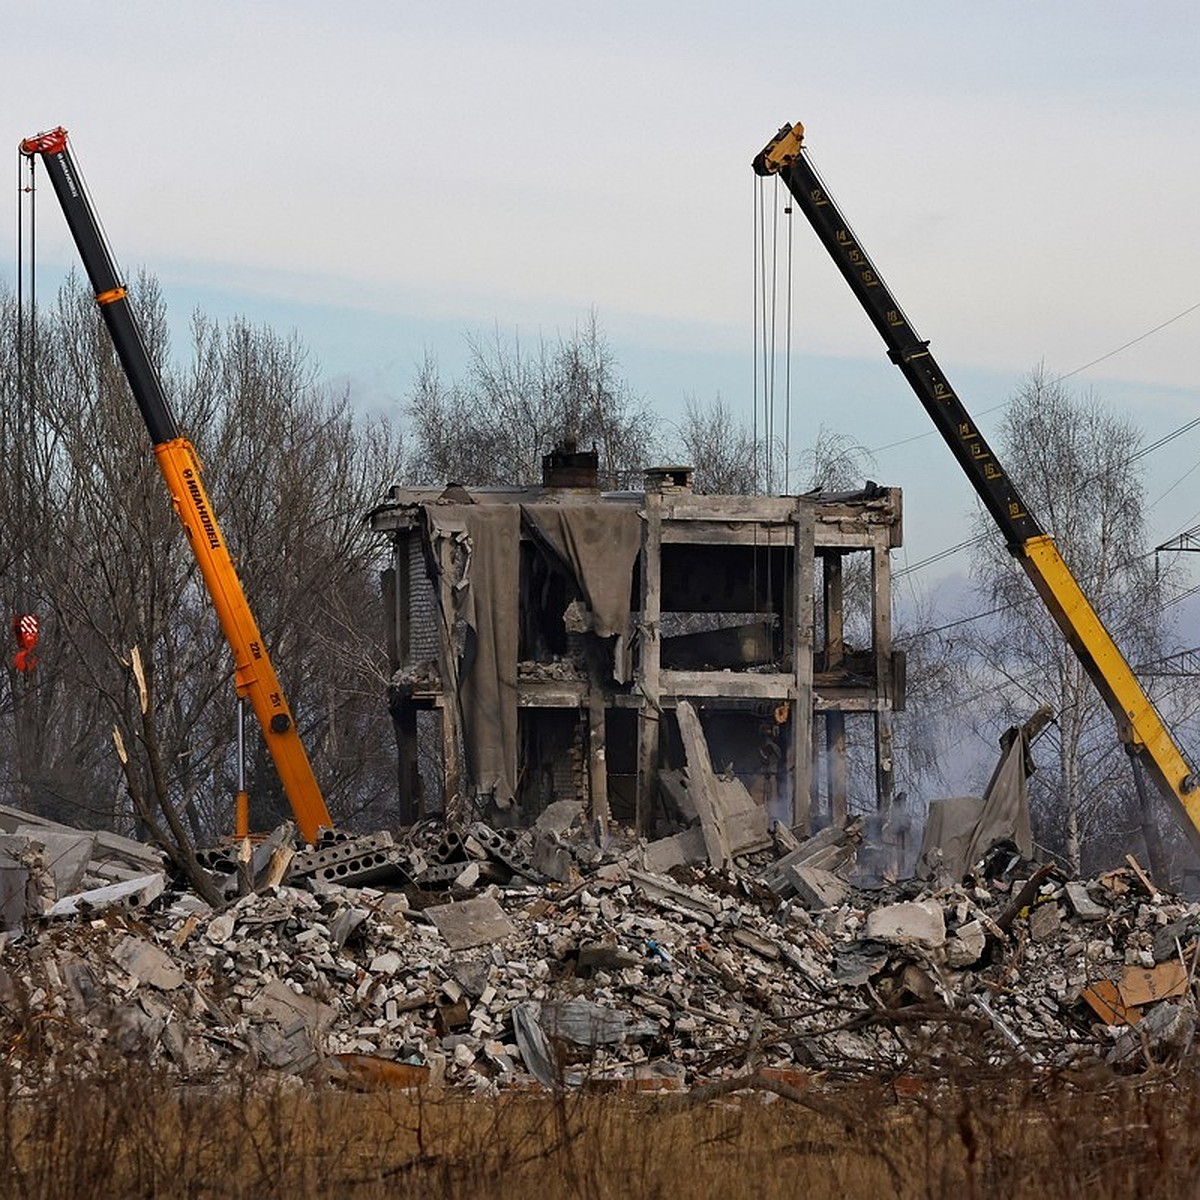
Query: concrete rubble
[488, 958]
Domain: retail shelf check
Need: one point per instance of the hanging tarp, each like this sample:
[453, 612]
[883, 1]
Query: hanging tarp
[473, 549]
[599, 546]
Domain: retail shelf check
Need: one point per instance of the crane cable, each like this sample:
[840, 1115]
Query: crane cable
[766, 318]
[773, 477]
[787, 362]
[756, 251]
[24, 622]
[765, 321]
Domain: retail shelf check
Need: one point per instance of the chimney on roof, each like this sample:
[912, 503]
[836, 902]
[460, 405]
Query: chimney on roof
[566, 466]
[669, 479]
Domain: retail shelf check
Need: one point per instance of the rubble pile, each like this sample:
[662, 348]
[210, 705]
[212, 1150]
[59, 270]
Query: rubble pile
[488, 958]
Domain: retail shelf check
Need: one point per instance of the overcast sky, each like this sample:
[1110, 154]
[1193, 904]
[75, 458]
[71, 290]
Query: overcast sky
[386, 177]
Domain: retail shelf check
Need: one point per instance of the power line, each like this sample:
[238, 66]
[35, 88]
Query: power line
[977, 540]
[1138, 454]
[1013, 605]
[1141, 337]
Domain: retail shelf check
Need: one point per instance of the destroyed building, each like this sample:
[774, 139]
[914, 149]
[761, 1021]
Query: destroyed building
[555, 641]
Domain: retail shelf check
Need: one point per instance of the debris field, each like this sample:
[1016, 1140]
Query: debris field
[485, 959]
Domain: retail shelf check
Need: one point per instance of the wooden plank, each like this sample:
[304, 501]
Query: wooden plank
[1143, 878]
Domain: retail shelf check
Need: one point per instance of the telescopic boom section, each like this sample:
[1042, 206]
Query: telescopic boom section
[254, 674]
[1138, 723]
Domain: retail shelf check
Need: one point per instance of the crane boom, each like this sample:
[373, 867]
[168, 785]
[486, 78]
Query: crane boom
[254, 674]
[1139, 725]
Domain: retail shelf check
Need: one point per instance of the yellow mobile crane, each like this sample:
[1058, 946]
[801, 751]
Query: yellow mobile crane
[1139, 725]
[254, 675]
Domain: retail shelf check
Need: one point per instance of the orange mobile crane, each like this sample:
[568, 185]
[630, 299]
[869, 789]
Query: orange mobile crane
[254, 675]
[1139, 726]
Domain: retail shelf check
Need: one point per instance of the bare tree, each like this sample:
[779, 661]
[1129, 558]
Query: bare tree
[835, 462]
[720, 447]
[515, 403]
[1076, 465]
[291, 470]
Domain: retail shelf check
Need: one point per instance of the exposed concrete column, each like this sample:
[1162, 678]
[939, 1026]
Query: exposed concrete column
[835, 652]
[412, 799]
[804, 569]
[648, 664]
[881, 624]
[597, 759]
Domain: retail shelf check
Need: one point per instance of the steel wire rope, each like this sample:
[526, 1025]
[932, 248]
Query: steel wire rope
[26, 349]
[773, 357]
[20, 343]
[787, 363]
[758, 261]
[759, 305]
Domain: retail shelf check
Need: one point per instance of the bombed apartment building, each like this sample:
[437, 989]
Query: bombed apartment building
[653, 654]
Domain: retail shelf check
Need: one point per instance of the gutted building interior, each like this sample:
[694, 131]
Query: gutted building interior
[556, 642]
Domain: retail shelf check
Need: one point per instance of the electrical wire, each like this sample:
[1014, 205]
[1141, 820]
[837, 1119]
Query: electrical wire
[916, 437]
[977, 540]
[1138, 454]
[1024, 601]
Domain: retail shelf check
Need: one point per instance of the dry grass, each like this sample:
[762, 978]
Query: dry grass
[131, 1132]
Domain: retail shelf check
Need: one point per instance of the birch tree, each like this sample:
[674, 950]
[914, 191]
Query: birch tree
[1076, 466]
